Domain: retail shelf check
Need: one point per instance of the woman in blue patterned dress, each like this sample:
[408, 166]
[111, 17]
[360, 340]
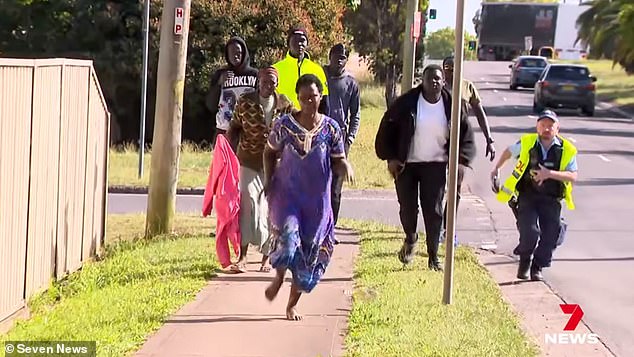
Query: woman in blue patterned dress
[309, 146]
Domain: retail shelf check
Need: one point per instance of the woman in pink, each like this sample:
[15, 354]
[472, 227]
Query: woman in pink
[223, 185]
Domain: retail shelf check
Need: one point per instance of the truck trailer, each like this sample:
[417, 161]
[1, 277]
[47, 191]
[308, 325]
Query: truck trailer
[503, 28]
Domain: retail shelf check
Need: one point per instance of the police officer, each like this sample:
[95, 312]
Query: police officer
[543, 175]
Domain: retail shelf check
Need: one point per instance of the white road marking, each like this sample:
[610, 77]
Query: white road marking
[604, 158]
[488, 83]
[572, 139]
[533, 116]
[495, 91]
[504, 99]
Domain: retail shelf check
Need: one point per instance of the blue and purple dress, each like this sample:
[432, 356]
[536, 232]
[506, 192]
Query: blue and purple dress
[300, 213]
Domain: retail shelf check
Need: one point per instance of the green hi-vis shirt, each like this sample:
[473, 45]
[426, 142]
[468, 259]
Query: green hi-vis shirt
[289, 71]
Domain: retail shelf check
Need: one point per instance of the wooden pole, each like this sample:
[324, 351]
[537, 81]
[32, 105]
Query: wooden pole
[168, 116]
[453, 154]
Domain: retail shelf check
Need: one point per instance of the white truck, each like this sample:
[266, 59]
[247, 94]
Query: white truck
[566, 32]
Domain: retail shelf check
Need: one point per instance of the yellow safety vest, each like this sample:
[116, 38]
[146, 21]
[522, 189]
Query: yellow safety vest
[289, 72]
[527, 142]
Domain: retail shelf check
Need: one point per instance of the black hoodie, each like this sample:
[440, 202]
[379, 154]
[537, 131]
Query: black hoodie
[222, 97]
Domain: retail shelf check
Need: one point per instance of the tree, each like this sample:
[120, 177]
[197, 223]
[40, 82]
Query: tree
[378, 30]
[441, 44]
[110, 33]
[608, 28]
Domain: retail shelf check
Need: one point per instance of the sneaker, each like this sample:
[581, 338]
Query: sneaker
[536, 273]
[406, 254]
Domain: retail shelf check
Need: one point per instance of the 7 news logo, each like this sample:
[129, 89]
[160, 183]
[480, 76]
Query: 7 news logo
[576, 313]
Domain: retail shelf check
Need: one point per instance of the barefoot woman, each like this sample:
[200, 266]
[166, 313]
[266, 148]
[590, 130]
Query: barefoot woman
[309, 146]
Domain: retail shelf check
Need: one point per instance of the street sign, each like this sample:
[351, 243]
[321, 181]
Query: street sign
[528, 43]
[416, 25]
[179, 20]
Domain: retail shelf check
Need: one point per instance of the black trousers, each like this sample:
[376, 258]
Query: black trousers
[425, 182]
[460, 177]
[335, 191]
[539, 221]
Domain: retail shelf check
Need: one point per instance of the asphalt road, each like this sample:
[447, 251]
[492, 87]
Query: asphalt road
[595, 266]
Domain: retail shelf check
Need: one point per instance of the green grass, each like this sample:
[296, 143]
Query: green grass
[613, 84]
[400, 312]
[371, 173]
[122, 299]
[124, 165]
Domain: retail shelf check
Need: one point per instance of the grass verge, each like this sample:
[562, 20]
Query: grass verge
[371, 173]
[123, 298]
[399, 312]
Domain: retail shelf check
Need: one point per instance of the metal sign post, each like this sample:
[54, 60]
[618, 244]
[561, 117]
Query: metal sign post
[146, 40]
[453, 153]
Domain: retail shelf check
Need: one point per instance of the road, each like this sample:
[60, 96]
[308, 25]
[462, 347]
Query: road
[595, 266]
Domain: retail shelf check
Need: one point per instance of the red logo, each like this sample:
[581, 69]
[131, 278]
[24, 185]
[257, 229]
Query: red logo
[575, 315]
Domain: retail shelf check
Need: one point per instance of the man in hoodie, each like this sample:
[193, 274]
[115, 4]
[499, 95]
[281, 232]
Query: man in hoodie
[230, 82]
[297, 63]
[344, 103]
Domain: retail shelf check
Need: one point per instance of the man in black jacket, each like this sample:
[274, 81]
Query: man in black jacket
[414, 139]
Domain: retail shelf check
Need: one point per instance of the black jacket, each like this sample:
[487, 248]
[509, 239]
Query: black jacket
[396, 130]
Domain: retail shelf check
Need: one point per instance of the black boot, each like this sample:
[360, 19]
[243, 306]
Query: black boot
[407, 252]
[536, 272]
[523, 268]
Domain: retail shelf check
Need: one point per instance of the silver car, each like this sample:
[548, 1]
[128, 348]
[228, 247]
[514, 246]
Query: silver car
[526, 70]
[565, 86]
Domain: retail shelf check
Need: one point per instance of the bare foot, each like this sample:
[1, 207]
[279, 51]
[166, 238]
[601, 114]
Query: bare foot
[273, 289]
[293, 315]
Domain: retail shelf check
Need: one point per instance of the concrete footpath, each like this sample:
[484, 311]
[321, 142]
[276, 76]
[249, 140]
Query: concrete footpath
[231, 317]
[534, 302]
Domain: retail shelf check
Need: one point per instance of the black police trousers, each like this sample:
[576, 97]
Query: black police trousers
[539, 221]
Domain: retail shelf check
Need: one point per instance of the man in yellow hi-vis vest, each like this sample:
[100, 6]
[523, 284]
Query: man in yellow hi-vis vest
[543, 175]
[296, 63]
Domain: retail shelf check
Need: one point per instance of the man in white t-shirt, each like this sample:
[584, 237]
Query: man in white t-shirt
[414, 138]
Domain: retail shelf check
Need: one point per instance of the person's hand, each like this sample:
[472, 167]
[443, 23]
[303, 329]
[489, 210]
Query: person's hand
[540, 175]
[348, 172]
[224, 76]
[395, 168]
[495, 180]
[490, 151]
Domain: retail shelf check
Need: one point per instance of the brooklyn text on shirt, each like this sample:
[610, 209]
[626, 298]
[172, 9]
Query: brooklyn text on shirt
[240, 81]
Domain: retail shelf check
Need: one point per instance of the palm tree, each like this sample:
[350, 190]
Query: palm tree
[607, 27]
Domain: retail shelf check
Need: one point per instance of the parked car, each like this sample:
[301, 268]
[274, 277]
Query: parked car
[565, 86]
[526, 70]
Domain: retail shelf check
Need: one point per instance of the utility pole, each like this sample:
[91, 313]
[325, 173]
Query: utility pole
[168, 117]
[146, 41]
[409, 47]
[453, 153]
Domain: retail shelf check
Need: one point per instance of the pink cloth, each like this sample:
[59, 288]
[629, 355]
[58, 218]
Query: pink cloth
[223, 185]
